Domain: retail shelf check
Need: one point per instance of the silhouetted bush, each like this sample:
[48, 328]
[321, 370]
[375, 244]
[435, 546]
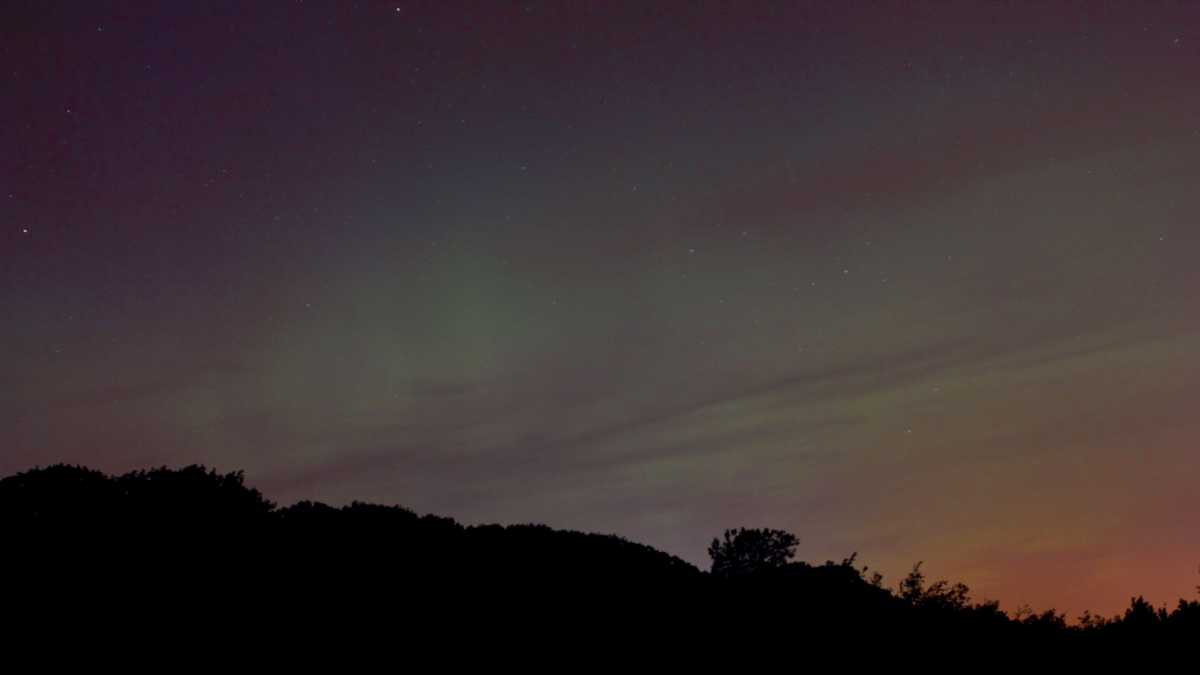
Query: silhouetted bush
[747, 551]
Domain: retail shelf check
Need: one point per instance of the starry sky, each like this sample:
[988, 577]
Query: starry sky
[910, 279]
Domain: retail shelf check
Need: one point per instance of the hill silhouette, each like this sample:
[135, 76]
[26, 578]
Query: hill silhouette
[213, 545]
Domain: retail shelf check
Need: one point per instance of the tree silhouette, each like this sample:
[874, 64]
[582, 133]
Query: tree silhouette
[746, 551]
[208, 545]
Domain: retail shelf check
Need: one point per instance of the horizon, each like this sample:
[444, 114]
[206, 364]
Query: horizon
[902, 279]
[888, 582]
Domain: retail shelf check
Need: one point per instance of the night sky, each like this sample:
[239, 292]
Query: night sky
[911, 280]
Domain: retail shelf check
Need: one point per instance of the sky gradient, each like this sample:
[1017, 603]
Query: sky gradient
[906, 279]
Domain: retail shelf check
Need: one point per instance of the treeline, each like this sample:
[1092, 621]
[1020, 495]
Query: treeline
[197, 540]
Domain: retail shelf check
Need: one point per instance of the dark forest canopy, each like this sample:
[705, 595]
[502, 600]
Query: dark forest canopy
[202, 531]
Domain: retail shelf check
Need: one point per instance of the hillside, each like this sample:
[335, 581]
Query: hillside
[194, 535]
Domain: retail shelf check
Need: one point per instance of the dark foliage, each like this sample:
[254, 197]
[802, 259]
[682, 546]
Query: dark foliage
[199, 543]
[749, 551]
